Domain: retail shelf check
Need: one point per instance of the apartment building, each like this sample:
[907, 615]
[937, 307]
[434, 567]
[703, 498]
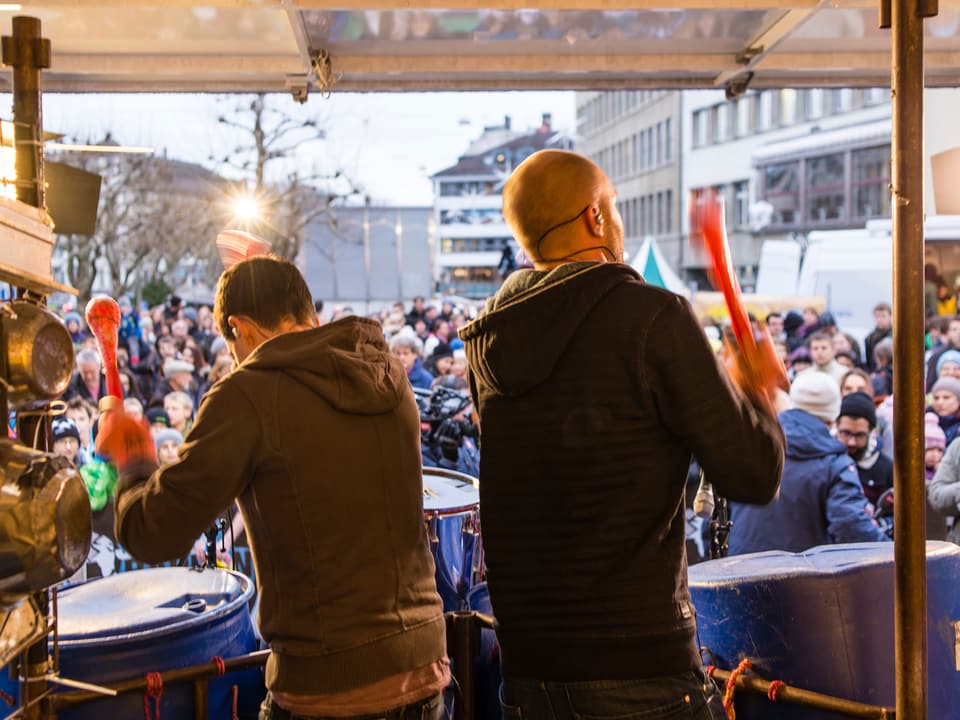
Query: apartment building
[634, 136]
[471, 230]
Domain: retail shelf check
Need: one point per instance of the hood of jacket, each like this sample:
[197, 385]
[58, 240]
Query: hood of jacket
[516, 344]
[347, 363]
[807, 436]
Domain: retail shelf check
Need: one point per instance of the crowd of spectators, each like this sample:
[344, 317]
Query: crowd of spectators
[168, 358]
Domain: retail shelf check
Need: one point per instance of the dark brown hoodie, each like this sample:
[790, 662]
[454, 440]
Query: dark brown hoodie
[317, 435]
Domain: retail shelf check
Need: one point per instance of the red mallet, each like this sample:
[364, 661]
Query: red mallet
[103, 318]
[763, 368]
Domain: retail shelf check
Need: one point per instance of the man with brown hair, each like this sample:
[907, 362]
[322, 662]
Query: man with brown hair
[316, 434]
[594, 390]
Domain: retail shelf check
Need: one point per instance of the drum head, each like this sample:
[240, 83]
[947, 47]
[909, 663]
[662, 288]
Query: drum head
[449, 496]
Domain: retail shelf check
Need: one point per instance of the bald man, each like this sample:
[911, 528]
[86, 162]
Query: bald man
[594, 391]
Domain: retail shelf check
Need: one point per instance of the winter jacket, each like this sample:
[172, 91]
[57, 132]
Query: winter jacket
[820, 502]
[875, 337]
[943, 492]
[875, 470]
[419, 376]
[594, 390]
[317, 435]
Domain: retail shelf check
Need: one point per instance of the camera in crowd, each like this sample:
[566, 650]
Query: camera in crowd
[446, 439]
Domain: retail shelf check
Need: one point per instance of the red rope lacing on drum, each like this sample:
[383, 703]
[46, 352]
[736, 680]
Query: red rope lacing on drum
[774, 689]
[744, 665]
[155, 691]
[7, 698]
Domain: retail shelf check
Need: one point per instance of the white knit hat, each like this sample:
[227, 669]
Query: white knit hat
[816, 393]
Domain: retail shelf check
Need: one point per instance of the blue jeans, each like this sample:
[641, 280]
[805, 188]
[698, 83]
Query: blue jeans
[430, 708]
[688, 696]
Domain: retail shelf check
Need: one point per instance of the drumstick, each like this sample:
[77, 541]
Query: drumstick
[103, 318]
[707, 224]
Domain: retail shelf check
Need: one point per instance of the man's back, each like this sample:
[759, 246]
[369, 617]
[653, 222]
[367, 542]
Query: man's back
[317, 434]
[593, 389]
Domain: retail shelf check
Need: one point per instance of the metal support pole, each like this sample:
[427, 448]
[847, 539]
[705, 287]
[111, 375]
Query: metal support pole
[910, 596]
[463, 643]
[28, 53]
[201, 698]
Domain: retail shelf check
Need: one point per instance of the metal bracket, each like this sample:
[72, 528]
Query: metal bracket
[13, 53]
[925, 9]
[747, 56]
[737, 86]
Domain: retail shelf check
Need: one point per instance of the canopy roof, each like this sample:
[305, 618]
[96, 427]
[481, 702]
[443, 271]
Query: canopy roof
[277, 45]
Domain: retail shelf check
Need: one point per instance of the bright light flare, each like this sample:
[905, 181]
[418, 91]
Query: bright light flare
[246, 208]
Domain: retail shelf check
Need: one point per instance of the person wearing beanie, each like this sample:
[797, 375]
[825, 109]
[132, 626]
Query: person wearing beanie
[798, 361]
[946, 405]
[857, 430]
[792, 322]
[821, 500]
[935, 445]
[74, 324]
[440, 360]
[948, 364]
[168, 442]
[817, 394]
[943, 490]
[66, 438]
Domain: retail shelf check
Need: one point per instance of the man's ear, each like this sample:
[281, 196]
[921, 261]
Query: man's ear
[238, 325]
[595, 222]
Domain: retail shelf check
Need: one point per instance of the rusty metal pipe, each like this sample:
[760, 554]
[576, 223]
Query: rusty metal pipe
[807, 698]
[171, 677]
[910, 590]
[28, 53]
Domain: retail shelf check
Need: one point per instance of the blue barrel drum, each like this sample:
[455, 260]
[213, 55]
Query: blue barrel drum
[822, 620]
[451, 502]
[124, 626]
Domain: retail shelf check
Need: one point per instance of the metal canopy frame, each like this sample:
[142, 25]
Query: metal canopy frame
[289, 45]
[303, 45]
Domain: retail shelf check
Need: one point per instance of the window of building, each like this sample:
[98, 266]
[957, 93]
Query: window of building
[841, 100]
[871, 182]
[781, 188]
[744, 116]
[659, 213]
[633, 214]
[763, 111]
[701, 119]
[720, 117]
[814, 106]
[825, 188]
[668, 212]
[741, 204]
[642, 225]
[659, 141]
[876, 96]
[787, 101]
[668, 139]
[650, 148]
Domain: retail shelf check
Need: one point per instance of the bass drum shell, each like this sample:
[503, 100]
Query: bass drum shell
[124, 626]
[822, 620]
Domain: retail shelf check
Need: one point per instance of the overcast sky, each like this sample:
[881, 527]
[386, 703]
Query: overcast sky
[390, 142]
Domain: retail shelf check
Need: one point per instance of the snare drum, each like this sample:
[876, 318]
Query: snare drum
[451, 503]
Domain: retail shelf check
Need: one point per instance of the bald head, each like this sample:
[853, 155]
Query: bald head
[560, 204]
